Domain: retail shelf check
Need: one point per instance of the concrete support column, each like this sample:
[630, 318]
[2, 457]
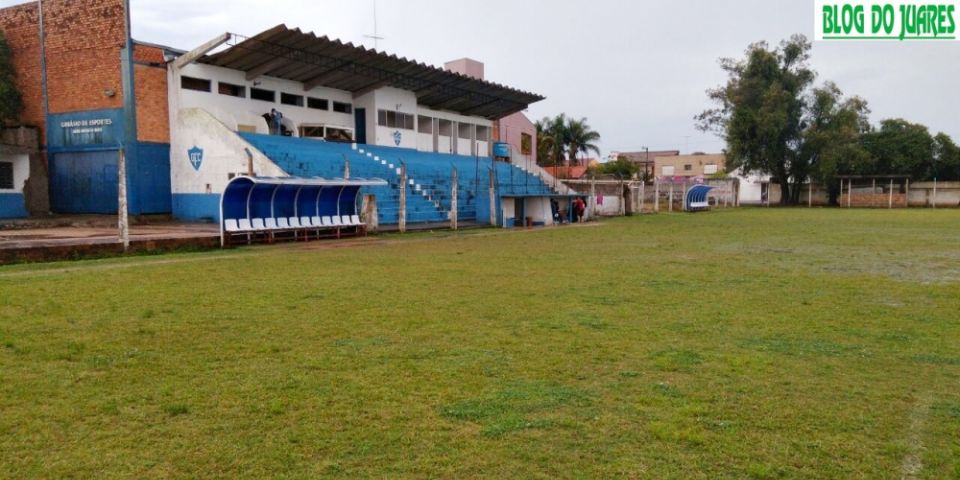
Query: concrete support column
[643, 186]
[593, 198]
[890, 201]
[656, 197]
[671, 196]
[371, 216]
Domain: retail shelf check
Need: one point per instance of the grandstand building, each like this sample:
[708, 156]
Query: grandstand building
[282, 103]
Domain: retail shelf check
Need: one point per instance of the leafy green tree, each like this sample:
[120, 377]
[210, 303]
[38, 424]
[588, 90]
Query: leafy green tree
[581, 138]
[831, 140]
[947, 156]
[10, 100]
[551, 140]
[561, 138]
[902, 148]
[622, 167]
[760, 111]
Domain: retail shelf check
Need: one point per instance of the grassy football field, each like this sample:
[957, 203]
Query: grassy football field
[756, 343]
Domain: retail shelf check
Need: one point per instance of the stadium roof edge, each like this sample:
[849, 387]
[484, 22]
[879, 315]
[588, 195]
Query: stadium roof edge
[294, 55]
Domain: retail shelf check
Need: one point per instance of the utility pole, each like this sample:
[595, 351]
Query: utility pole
[402, 221]
[453, 201]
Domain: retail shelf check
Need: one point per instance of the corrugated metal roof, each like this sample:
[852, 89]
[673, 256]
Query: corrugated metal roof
[291, 54]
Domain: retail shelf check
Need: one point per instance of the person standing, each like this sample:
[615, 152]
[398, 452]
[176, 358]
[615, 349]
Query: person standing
[581, 207]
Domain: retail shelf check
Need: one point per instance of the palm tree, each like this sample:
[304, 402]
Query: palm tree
[551, 140]
[581, 139]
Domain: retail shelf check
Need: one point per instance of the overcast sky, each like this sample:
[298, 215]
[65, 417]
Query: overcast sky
[636, 69]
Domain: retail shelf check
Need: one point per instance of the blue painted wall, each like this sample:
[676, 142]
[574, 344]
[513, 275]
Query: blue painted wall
[86, 181]
[148, 180]
[196, 207]
[12, 205]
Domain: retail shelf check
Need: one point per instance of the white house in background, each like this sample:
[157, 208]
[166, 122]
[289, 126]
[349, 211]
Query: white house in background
[754, 188]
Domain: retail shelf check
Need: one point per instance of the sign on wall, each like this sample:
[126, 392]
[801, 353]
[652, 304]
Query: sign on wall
[84, 129]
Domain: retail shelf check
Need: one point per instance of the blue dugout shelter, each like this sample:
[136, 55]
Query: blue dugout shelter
[248, 199]
[697, 198]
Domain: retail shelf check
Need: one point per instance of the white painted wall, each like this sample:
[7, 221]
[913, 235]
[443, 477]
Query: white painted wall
[394, 100]
[223, 154]
[233, 111]
[444, 142]
[21, 171]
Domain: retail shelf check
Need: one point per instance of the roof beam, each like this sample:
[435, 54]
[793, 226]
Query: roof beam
[371, 87]
[265, 67]
[507, 113]
[193, 55]
[318, 79]
[481, 106]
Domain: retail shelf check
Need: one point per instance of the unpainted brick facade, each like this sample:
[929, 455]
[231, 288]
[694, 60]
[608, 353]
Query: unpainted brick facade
[83, 45]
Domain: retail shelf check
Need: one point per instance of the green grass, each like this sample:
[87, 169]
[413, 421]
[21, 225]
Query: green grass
[738, 344]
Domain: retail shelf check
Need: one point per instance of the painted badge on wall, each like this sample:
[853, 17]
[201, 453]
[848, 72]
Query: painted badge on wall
[196, 157]
[397, 137]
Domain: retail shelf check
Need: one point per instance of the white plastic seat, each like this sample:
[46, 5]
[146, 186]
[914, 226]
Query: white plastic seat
[337, 222]
[282, 223]
[230, 225]
[356, 220]
[294, 222]
[328, 222]
[316, 222]
[270, 224]
[244, 225]
[305, 222]
[257, 224]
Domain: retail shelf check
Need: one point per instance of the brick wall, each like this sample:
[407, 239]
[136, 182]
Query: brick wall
[151, 87]
[84, 40]
[20, 27]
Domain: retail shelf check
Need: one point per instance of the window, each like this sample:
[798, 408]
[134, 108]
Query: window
[391, 119]
[687, 167]
[311, 131]
[342, 107]
[198, 84]
[465, 130]
[290, 99]
[667, 170]
[231, 90]
[330, 134]
[264, 95]
[318, 103]
[526, 144]
[6, 176]
[445, 127]
[483, 133]
[710, 169]
[425, 124]
[338, 135]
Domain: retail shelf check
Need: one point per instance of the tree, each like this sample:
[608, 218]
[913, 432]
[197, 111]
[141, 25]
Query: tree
[902, 148]
[621, 168]
[551, 140]
[581, 139]
[761, 110]
[947, 156]
[10, 100]
[831, 140]
[561, 138]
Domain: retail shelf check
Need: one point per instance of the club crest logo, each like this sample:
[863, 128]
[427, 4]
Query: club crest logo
[397, 137]
[196, 157]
